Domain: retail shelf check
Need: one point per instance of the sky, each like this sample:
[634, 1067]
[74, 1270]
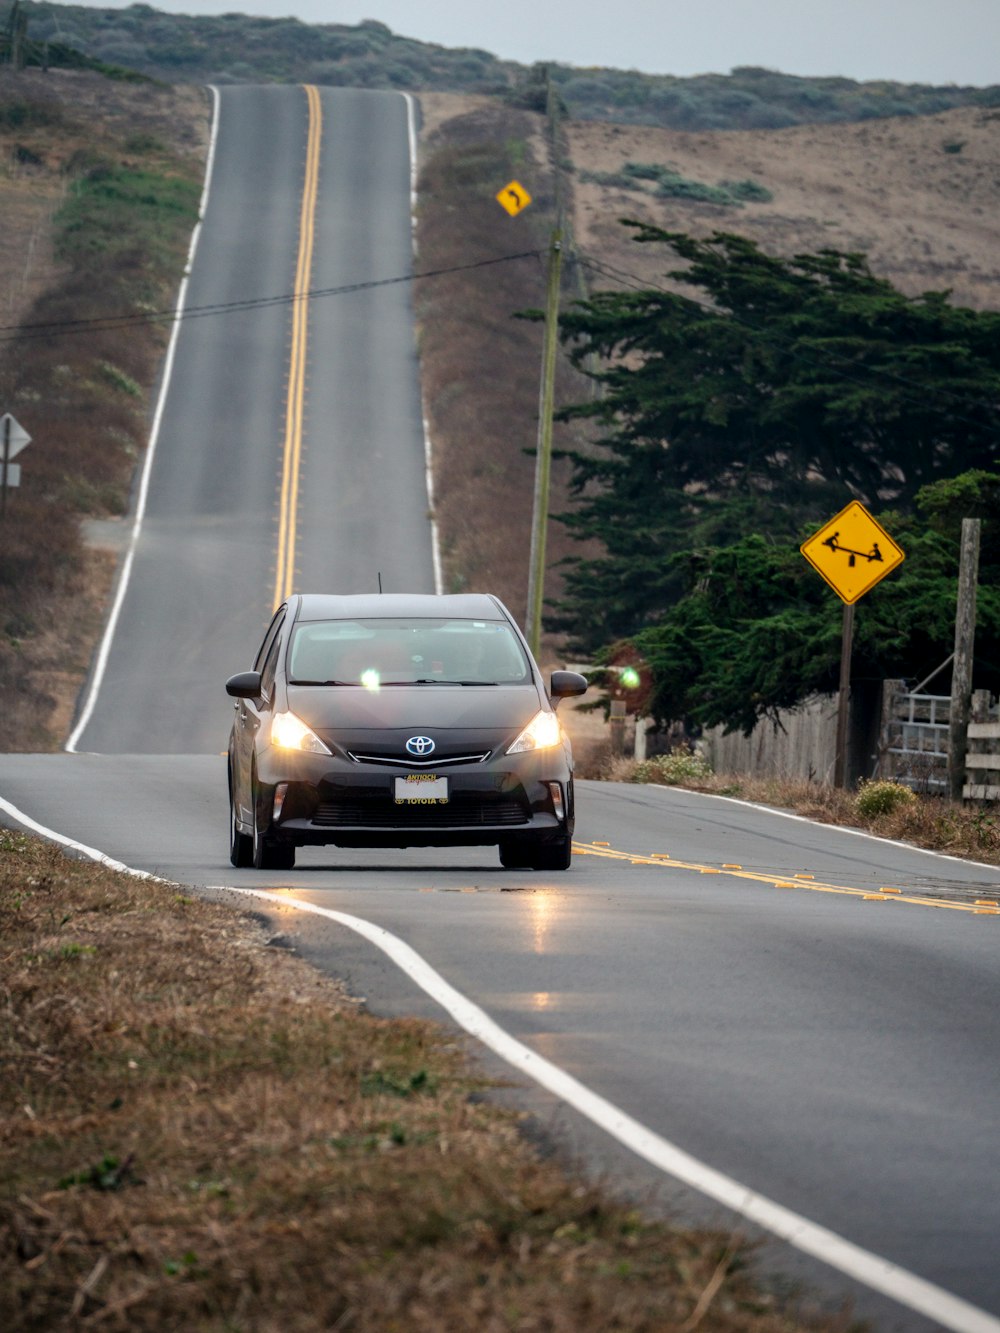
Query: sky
[912, 41]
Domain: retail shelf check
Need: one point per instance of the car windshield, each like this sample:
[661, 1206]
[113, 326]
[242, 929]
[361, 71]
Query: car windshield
[374, 653]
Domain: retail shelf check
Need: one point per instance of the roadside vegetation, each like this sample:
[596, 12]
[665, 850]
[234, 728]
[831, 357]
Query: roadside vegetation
[115, 175]
[197, 1130]
[884, 808]
[734, 416]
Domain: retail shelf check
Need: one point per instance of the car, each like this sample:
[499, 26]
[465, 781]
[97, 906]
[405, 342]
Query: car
[399, 720]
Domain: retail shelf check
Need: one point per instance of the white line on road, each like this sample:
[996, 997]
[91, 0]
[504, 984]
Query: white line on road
[104, 652]
[872, 1270]
[411, 134]
[833, 828]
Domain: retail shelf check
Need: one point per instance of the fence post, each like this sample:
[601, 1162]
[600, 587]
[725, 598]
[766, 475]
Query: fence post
[617, 727]
[642, 725]
[961, 673]
[884, 765]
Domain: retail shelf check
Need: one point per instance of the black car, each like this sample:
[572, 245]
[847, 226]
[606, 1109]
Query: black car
[399, 721]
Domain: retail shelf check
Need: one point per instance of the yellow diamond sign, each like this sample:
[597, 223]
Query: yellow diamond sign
[852, 552]
[514, 197]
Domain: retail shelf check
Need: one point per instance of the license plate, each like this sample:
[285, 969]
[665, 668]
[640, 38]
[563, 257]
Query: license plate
[421, 789]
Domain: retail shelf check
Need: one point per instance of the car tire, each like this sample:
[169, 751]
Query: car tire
[265, 853]
[515, 855]
[553, 855]
[525, 854]
[240, 844]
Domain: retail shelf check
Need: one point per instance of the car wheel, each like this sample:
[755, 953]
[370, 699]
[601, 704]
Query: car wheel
[553, 855]
[266, 854]
[515, 855]
[240, 844]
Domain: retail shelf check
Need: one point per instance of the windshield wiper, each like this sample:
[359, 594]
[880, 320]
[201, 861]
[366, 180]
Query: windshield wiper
[320, 682]
[434, 680]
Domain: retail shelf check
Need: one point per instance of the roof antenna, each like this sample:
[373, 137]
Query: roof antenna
[380, 580]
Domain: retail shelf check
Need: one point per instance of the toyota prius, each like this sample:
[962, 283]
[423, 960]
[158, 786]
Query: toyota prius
[399, 721]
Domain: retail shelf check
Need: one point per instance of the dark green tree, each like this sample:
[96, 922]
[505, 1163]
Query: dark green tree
[758, 630]
[765, 400]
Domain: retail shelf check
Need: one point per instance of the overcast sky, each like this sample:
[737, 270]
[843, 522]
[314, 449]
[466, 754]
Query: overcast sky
[914, 41]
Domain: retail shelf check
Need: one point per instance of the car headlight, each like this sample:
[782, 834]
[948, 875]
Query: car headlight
[289, 732]
[541, 733]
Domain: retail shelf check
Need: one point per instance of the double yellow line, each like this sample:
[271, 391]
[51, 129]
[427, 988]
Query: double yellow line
[285, 572]
[980, 907]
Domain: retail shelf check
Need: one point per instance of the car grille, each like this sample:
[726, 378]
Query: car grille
[464, 810]
[406, 761]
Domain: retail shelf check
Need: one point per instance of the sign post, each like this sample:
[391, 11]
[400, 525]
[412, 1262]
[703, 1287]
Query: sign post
[852, 553]
[13, 438]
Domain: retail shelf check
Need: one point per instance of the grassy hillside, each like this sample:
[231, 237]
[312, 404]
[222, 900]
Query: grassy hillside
[237, 48]
[100, 183]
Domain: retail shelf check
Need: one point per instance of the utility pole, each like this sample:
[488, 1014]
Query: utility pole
[961, 671]
[543, 460]
[546, 397]
[4, 463]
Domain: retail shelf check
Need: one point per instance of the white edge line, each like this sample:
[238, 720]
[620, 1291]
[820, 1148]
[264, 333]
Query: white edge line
[72, 845]
[411, 131]
[104, 652]
[871, 1270]
[818, 823]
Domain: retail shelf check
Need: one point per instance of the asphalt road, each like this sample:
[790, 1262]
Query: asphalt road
[738, 994]
[832, 1051]
[201, 590]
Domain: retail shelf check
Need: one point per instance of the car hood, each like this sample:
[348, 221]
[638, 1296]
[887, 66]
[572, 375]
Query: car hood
[347, 709]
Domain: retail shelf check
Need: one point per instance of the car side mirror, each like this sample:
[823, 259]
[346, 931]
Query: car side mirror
[567, 684]
[244, 685]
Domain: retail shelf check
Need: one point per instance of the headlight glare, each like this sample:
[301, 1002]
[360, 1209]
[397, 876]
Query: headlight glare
[289, 732]
[541, 733]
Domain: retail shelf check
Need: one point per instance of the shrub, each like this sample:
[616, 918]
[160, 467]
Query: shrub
[681, 765]
[882, 798]
[749, 191]
[674, 186]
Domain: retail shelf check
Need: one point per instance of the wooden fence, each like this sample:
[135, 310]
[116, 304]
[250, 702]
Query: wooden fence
[982, 759]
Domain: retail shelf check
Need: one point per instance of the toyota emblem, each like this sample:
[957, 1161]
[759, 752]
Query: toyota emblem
[420, 745]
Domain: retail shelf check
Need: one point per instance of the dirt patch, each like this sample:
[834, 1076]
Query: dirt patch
[480, 363]
[436, 108]
[919, 195]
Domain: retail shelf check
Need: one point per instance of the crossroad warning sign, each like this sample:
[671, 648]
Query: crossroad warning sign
[513, 197]
[852, 552]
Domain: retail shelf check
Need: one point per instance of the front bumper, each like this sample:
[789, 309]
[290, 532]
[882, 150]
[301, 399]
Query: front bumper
[332, 801]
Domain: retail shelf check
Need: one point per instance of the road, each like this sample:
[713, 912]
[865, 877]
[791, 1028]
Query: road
[738, 983]
[835, 1052]
[203, 582]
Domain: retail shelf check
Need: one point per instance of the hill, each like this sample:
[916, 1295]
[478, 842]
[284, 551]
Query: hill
[240, 48]
[919, 194]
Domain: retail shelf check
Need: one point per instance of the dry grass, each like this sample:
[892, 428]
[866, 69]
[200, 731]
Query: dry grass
[83, 397]
[971, 831]
[480, 366]
[923, 214]
[199, 1131]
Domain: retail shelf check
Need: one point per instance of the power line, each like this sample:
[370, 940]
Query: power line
[101, 323]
